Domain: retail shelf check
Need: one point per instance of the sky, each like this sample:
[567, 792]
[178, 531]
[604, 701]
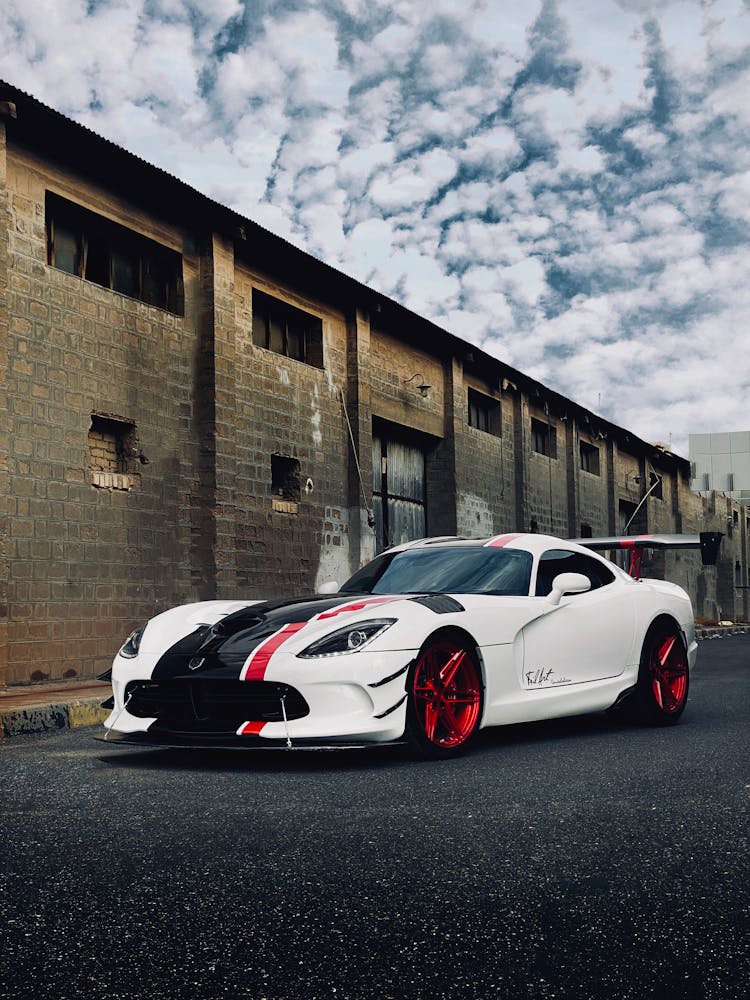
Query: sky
[564, 183]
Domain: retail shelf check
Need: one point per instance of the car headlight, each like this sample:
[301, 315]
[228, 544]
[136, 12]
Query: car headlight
[350, 639]
[132, 644]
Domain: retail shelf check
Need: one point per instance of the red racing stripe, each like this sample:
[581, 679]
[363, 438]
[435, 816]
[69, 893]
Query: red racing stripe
[256, 664]
[501, 540]
[250, 728]
[354, 606]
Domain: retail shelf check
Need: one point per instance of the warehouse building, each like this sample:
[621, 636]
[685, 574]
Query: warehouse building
[193, 408]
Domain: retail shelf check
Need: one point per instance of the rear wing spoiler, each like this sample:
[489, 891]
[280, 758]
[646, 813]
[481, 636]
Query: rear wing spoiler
[707, 541]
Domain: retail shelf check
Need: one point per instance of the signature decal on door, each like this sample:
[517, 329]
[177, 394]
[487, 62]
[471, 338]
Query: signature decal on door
[544, 677]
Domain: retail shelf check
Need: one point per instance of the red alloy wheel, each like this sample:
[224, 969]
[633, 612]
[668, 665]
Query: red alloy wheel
[668, 672]
[447, 694]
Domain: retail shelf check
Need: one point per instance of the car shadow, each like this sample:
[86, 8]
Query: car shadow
[282, 759]
[303, 759]
[547, 730]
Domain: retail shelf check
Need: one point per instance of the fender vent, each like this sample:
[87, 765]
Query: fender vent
[441, 604]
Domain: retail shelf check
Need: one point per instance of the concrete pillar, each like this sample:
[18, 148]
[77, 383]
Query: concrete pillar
[4, 484]
[445, 465]
[203, 510]
[520, 416]
[229, 476]
[358, 417]
[573, 495]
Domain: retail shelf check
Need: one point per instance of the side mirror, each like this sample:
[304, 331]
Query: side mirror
[568, 583]
[331, 587]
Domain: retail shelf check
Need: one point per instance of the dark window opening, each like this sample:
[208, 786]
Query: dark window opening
[657, 483]
[543, 438]
[589, 458]
[484, 413]
[286, 330]
[586, 531]
[96, 249]
[285, 483]
[115, 455]
[626, 510]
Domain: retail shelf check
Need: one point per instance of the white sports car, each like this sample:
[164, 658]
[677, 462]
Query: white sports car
[431, 641]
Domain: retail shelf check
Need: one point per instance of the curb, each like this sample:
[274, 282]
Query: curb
[74, 714]
[721, 631]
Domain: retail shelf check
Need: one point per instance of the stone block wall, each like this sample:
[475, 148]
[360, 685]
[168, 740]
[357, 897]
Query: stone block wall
[85, 561]
[484, 465]
[292, 410]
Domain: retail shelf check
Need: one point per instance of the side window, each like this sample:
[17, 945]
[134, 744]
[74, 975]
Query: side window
[556, 561]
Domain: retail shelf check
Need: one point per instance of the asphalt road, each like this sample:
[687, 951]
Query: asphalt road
[576, 859]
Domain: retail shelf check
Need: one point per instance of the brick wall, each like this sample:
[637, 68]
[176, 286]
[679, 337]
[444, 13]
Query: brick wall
[590, 502]
[484, 466]
[86, 564]
[288, 408]
[5, 497]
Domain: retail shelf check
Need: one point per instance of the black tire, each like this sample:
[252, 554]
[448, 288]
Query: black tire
[661, 693]
[445, 697]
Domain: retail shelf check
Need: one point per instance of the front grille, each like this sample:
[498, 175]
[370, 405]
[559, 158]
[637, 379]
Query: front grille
[212, 706]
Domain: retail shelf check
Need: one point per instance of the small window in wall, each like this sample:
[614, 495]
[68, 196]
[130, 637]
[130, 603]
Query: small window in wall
[543, 438]
[586, 531]
[589, 458]
[484, 413]
[630, 522]
[657, 483]
[99, 250]
[115, 456]
[286, 330]
[285, 484]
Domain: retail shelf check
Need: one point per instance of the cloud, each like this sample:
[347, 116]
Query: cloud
[565, 182]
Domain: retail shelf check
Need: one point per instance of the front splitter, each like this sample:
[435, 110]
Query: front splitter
[228, 743]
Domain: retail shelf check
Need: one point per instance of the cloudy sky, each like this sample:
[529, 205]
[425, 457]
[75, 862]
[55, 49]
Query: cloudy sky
[563, 182]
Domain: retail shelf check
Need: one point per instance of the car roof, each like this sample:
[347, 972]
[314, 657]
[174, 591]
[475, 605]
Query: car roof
[526, 541]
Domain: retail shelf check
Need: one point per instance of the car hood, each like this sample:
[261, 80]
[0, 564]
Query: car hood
[219, 636]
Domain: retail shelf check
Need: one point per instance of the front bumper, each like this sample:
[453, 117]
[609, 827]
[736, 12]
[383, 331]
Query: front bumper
[359, 698]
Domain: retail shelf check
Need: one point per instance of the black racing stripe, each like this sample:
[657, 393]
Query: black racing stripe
[441, 604]
[224, 647]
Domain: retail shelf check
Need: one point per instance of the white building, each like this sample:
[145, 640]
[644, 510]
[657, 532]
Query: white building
[721, 462]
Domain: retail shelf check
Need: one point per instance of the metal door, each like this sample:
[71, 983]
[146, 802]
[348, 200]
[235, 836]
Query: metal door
[398, 492]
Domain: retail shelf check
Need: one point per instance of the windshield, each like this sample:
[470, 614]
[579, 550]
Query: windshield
[455, 570]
